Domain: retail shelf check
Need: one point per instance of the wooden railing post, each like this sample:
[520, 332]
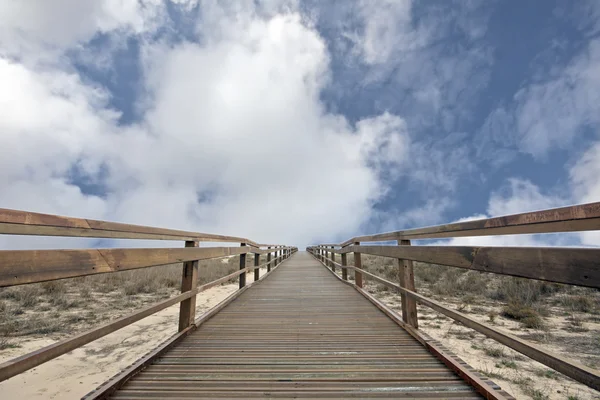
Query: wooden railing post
[344, 270]
[189, 281]
[242, 266]
[358, 264]
[256, 264]
[268, 260]
[332, 259]
[407, 281]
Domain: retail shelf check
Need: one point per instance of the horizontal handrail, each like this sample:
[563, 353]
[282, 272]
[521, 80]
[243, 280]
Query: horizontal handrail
[583, 217]
[16, 222]
[569, 265]
[19, 267]
[571, 368]
[28, 266]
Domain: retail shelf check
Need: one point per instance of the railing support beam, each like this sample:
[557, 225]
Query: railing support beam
[332, 259]
[189, 281]
[242, 266]
[256, 264]
[358, 279]
[407, 281]
[345, 270]
[268, 260]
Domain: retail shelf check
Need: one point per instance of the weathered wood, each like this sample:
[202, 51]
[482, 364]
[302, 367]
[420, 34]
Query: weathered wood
[28, 266]
[256, 264]
[332, 260]
[407, 280]
[242, 266]
[482, 386]
[583, 217]
[15, 222]
[574, 266]
[114, 383]
[189, 281]
[572, 369]
[269, 261]
[344, 270]
[358, 278]
[449, 360]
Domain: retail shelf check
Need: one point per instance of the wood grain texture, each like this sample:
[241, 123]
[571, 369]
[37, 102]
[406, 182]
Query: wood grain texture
[189, 281]
[574, 266]
[29, 266]
[407, 280]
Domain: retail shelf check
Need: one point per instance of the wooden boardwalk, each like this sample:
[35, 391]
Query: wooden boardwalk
[299, 333]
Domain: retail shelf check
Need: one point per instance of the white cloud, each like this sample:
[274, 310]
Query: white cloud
[550, 113]
[40, 30]
[234, 138]
[586, 185]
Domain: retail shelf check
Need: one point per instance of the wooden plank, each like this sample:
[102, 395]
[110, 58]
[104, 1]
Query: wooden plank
[570, 368]
[189, 281]
[407, 280]
[16, 222]
[569, 265]
[583, 217]
[28, 266]
[302, 344]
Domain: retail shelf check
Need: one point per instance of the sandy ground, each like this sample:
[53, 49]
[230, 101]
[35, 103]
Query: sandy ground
[75, 374]
[518, 375]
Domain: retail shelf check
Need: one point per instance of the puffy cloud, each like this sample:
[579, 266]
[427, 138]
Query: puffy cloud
[234, 137]
[549, 113]
[586, 185]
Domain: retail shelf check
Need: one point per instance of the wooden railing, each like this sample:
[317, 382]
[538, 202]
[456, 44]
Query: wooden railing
[19, 267]
[573, 266]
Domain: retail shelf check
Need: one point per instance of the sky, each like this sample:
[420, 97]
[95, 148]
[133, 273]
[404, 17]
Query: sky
[298, 122]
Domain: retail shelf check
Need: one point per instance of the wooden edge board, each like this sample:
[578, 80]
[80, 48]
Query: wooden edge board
[18, 267]
[482, 387]
[113, 384]
[567, 265]
[570, 368]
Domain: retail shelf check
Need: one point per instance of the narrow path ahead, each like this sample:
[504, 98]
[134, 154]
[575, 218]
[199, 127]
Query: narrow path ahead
[300, 333]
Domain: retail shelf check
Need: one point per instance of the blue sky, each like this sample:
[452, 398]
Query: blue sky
[300, 121]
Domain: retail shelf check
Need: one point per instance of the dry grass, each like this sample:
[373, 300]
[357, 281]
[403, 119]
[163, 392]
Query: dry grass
[72, 305]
